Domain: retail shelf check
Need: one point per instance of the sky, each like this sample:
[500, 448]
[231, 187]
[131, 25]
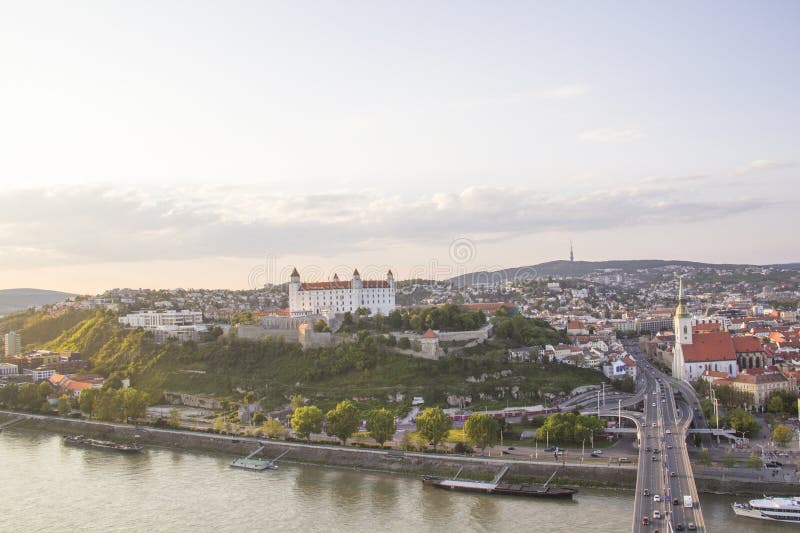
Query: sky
[187, 144]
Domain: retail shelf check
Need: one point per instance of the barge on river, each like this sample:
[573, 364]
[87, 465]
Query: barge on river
[87, 442]
[496, 487]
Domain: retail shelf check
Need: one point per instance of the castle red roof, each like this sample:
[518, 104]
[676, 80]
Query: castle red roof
[430, 334]
[714, 346]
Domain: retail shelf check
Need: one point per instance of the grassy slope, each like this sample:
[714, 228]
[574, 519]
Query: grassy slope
[277, 369]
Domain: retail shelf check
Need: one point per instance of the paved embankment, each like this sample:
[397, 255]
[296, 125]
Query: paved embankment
[349, 457]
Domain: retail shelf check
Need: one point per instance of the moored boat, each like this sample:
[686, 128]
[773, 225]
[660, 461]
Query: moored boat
[771, 508]
[506, 489]
[87, 442]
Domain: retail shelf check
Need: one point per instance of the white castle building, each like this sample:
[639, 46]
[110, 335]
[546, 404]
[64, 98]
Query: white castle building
[337, 296]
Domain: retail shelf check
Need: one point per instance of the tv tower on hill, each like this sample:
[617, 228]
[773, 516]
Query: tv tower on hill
[571, 255]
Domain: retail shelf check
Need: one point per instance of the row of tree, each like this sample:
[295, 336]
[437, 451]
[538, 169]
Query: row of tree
[114, 405]
[341, 422]
[569, 427]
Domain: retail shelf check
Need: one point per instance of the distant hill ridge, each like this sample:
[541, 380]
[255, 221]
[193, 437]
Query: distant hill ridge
[12, 300]
[582, 268]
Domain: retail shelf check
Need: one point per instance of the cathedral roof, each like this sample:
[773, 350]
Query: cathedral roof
[355, 273]
[707, 347]
[747, 344]
[295, 273]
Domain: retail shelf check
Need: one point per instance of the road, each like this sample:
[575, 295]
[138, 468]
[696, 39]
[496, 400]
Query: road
[664, 467]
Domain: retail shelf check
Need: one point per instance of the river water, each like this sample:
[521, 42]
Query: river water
[46, 486]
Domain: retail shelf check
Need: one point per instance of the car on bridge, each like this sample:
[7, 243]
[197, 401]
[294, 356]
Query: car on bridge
[656, 497]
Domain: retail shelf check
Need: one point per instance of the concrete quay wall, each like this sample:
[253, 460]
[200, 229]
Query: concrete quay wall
[349, 457]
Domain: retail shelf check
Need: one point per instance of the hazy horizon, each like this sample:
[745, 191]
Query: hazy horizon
[164, 145]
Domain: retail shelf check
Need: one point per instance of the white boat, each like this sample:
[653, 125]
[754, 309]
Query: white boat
[768, 508]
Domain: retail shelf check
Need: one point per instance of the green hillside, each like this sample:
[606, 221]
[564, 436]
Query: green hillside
[274, 369]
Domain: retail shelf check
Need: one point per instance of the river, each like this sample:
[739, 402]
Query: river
[46, 486]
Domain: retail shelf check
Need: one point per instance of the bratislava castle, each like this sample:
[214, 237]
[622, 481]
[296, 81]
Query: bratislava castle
[337, 296]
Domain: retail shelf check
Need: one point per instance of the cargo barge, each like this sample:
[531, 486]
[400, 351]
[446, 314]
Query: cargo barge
[87, 442]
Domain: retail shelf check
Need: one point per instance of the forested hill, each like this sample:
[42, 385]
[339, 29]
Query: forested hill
[582, 268]
[12, 300]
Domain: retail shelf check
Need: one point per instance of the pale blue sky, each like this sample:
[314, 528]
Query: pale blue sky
[180, 143]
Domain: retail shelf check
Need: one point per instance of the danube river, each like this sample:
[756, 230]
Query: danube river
[46, 486]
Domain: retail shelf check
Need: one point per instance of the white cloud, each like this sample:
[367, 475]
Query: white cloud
[90, 225]
[608, 135]
[566, 91]
[759, 164]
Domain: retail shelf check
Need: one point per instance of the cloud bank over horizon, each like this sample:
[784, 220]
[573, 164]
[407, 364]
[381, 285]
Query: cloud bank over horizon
[104, 224]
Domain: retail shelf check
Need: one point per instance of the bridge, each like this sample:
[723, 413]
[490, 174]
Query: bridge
[665, 474]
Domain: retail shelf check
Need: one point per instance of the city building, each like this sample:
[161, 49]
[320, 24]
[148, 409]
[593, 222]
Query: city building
[156, 319]
[760, 385]
[13, 343]
[694, 354]
[8, 369]
[337, 296]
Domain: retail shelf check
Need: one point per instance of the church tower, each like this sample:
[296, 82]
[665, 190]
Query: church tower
[683, 332]
[571, 255]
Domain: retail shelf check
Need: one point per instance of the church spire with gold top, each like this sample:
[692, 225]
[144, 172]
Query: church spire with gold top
[680, 311]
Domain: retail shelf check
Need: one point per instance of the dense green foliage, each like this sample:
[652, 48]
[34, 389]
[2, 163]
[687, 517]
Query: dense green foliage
[37, 328]
[381, 425]
[782, 434]
[521, 331]
[447, 317]
[30, 397]
[275, 369]
[742, 421]
[434, 425]
[569, 427]
[114, 405]
[343, 420]
[482, 430]
[307, 420]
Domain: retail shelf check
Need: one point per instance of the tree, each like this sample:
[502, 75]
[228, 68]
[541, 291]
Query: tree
[434, 425]
[742, 421]
[782, 434]
[64, 406]
[482, 429]
[108, 405]
[381, 425]
[87, 400]
[29, 397]
[219, 424]
[273, 428]
[297, 401]
[775, 405]
[174, 418]
[134, 403]
[403, 343]
[9, 395]
[343, 420]
[307, 420]
[320, 326]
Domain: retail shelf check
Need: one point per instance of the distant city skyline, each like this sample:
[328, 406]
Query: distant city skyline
[159, 145]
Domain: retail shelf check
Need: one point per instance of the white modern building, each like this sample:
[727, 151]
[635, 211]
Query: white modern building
[13, 343]
[337, 296]
[157, 319]
[8, 369]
